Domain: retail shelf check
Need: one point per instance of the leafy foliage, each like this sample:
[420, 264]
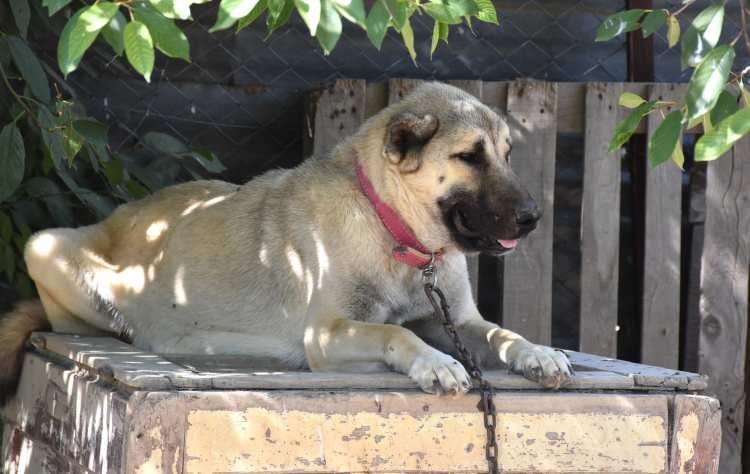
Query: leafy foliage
[155, 26]
[56, 166]
[716, 96]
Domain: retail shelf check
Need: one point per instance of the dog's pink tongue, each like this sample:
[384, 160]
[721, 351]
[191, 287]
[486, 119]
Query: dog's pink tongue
[509, 244]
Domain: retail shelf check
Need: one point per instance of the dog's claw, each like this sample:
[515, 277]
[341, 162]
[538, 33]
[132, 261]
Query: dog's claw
[439, 373]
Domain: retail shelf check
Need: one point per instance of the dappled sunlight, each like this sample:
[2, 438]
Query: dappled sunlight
[323, 263]
[203, 204]
[294, 262]
[180, 296]
[263, 255]
[43, 244]
[132, 278]
[155, 230]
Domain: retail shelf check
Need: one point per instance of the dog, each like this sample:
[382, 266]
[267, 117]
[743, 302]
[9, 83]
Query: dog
[316, 267]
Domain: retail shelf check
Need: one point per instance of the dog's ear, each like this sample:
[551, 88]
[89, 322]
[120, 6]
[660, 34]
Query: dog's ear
[407, 134]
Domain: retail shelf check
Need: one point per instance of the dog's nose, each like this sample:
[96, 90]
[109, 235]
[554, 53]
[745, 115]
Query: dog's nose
[527, 215]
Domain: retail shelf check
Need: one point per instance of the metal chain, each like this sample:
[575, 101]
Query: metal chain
[487, 405]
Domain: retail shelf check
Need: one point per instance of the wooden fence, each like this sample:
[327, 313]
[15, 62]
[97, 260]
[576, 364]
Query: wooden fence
[538, 112]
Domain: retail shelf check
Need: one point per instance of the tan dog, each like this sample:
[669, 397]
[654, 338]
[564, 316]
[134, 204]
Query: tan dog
[296, 264]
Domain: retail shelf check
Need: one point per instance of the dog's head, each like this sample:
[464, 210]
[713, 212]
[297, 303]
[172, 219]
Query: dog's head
[452, 152]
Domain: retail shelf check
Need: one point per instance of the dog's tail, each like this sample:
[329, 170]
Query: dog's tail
[15, 328]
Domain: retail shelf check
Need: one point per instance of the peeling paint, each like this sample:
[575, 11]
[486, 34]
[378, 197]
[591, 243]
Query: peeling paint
[315, 442]
[686, 437]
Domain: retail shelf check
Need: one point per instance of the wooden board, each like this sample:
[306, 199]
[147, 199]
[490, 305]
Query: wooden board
[340, 110]
[724, 293]
[527, 293]
[287, 431]
[134, 369]
[660, 330]
[643, 375]
[696, 434]
[600, 223]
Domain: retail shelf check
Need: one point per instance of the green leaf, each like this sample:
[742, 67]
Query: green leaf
[630, 100]
[12, 163]
[56, 202]
[207, 160]
[8, 261]
[487, 12]
[618, 23]
[6, 228]
[435, 37]
[745, 94]
[329, 29]
[80, 32]
[245, 21]
[626, 127]
[113, 31]
[673, 31]
[230, 11]
[139, 48]
[663, 141]
[377, 23]
[708, 81]
[55, 6]
[4, 52]
[677, 156]
[163, 143]
[174, 9]
[29, 67]
[702, 35]
[408, 35]
[94, 132]
[653, 22]
[277, 19]
[114, 172]
[309, 10]
[725, 106]
[167, 37]
[398, 10]
[717, 142]
[352, 10]
[22, 15]
[136, 189]
[442, 11]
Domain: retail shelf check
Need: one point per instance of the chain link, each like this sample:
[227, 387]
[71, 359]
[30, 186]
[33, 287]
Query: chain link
[487, 404]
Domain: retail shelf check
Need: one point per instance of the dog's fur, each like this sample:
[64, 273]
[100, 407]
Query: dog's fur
[296, 266]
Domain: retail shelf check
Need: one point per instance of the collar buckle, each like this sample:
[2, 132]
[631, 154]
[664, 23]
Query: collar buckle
[429, 273]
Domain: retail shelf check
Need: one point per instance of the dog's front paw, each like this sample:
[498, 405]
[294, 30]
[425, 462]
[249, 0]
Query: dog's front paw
[550, 367]
[439, 373]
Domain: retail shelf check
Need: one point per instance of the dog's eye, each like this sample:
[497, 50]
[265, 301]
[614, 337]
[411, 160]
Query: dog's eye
[469, 157]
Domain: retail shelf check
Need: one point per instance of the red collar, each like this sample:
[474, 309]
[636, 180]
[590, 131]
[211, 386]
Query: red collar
[409, 249]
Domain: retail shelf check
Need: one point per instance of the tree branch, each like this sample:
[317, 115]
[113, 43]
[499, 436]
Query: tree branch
[743, 17]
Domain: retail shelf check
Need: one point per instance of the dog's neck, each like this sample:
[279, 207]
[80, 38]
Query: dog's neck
[388, 185]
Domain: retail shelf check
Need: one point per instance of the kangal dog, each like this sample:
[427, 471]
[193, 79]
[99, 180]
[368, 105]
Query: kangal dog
[304, 266]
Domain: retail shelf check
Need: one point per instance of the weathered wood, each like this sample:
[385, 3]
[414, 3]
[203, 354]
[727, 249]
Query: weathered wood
[724, 293]
[696, 435]
[340, 111]
[643, 375]
[527, 294]
[400, 88]
[600, 224]
[660, 330]
[134, 369]
[383, 432]
[70, 412]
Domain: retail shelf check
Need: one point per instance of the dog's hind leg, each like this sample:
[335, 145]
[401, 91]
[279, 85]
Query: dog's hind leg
[73, 279]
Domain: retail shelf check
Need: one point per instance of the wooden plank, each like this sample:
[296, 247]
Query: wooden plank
[70, 412]
[376, 98]
[724, 293]
[340, 111]
[527, 293]
[660, 330]
[571, 109]
[600, 224]
[119, 362]
[399, 88]
[643, 375]
[383, 432]
[696, 435]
